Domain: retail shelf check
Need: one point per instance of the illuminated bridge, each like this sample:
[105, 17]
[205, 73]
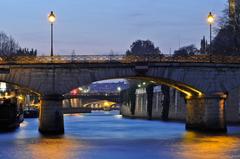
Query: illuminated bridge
[204, 80]
[114, 97]
[85, 102]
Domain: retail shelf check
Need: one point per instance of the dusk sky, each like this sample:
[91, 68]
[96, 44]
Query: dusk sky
[98, 26]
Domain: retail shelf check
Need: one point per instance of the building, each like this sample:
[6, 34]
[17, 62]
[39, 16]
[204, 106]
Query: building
[107, 87]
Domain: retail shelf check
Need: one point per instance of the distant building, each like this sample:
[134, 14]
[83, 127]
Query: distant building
[107, 87]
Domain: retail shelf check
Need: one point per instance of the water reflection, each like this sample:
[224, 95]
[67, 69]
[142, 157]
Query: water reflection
[109, 136]
[118, 116]
[197, 146]
[59, 148]
[24, 124]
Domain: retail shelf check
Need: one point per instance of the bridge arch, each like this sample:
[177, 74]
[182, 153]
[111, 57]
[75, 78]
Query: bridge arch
[31, 90]
[101, 102]
[187, 90]
[198, 79]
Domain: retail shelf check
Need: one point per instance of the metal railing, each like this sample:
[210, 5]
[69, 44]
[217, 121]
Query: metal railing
[96, 59]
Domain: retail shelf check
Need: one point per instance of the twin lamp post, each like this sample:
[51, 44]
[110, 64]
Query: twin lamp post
[52, 19]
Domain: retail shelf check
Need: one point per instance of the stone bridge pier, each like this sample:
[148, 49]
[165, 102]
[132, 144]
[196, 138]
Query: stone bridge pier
[51, 116]
[206, 114]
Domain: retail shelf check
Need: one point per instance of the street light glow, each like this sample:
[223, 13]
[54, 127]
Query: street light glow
[3, 86]
[119, 89]
[210, 18]
[51, 17]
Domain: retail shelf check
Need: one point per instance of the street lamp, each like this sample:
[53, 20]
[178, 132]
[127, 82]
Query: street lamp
[51, 19]
[210, 20]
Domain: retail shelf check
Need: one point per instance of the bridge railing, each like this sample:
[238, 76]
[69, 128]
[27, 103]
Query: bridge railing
[92, 94]
[65, 59]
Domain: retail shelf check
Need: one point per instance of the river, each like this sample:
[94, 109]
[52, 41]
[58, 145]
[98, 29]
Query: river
[106, 135]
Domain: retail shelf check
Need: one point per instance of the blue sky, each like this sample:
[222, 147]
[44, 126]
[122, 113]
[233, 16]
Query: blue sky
[98, 26]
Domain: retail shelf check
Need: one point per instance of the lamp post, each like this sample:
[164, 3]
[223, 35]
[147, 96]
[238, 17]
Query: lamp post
[51, 19]
[210, 20]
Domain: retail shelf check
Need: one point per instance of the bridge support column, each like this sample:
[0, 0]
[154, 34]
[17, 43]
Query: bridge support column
[206, 114]
[51, 116]
[150, 93]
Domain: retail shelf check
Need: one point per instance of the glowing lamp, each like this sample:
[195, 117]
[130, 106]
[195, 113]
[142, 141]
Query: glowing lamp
[210, 18]
[51, 17]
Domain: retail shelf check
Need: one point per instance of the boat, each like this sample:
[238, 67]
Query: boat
[10, 115]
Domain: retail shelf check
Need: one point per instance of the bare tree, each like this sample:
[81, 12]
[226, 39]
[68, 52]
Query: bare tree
[8, 45]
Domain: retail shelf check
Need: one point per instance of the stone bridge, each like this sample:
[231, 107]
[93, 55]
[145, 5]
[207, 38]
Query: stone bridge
[205, 84]
[91, 97]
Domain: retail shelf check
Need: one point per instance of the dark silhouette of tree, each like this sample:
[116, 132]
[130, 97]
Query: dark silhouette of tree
[186, 51]
[26, 52]
[227, 40]
[143, 47]
[7, 44]
[9, 47]
[204, 46]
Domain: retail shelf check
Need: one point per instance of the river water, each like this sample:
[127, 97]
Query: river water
[106, 135]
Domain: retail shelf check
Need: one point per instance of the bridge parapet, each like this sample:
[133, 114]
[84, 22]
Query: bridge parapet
[164, 58]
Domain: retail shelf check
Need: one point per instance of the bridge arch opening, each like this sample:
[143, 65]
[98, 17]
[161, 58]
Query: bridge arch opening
[24, 96]
[51, 115]
[22, 87]
[16, 103]
[101, 105]
[188, 90]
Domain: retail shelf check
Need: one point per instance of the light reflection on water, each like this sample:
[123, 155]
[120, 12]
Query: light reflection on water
[108, 135]
[197, 146]
[56, 148]
[118, 116]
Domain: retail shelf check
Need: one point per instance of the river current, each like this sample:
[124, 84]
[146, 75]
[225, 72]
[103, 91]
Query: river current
[106, 135]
